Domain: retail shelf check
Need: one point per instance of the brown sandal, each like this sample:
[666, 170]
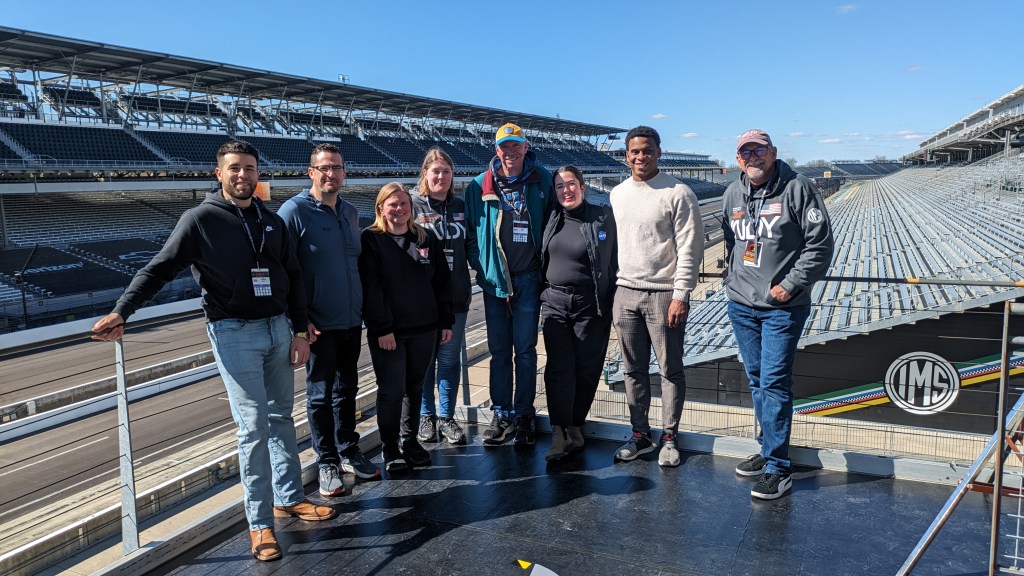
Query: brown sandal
[264, 545]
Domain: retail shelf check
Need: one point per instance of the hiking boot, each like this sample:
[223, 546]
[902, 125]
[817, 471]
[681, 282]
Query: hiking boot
[560, 442]
[355, 462]
[635, 446]
[428, 428]
[771, 486]
[330, 481]
[393, 459]
[415, 454]
[451, 431]
[526, 430]
[499, 430]
[668, 457]
[576, 442]
[752, 466]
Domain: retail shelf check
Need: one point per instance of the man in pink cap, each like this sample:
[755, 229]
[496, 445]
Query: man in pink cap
[778, 243]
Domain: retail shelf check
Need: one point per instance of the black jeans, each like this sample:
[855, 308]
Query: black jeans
[576, 340]
[331, 386]
[400, 375]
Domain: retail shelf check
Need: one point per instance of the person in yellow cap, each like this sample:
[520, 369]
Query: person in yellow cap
[505, 208]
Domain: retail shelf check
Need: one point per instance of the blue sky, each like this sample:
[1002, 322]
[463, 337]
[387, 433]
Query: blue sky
[828, 80]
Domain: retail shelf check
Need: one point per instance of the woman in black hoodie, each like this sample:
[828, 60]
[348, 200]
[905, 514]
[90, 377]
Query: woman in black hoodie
[407, 300]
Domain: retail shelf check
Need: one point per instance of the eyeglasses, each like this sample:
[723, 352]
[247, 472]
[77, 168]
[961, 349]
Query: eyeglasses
[760, 152]
[329, 169]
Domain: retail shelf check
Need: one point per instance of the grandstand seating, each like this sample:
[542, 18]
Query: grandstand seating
[200, 147]
[358, 152]
[202, 109]
[7, 154]
[955, 222]
[63, 98]
[405, 151]
[128, 254]
[313, 122]
[82, 143]
[51, 272]
[281, 150]
[9, 91]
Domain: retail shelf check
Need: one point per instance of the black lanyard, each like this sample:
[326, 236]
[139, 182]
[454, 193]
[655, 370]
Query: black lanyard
[446, 238]
[248, 232]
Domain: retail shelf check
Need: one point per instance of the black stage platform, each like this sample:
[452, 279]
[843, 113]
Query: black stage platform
[479, 511]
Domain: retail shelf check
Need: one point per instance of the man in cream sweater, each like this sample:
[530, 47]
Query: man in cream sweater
[661, 245]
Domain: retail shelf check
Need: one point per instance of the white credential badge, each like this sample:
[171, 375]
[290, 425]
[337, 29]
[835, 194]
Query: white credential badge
[814, 216]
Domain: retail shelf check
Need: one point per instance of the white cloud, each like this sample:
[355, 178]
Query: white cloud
[852, 134]
[912, 68]
[829, 141]
[659, 116]
[846, 8]
[911, 136]
[690, 135]
[798, 134]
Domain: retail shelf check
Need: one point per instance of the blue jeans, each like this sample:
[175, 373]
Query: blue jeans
[332, 382]
[767, 340]
[512, 326]
[447, 364]
[252, 357]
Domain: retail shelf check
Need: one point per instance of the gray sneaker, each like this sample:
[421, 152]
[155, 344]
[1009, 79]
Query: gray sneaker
[330, 481]
[752, 466]
[428, 428]
[637, 445]
[451, 431]
[355, 462]
[669, 455]
[771, 486]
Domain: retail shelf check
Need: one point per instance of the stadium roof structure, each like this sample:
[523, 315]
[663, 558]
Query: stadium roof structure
[988, 129]
[26, 50]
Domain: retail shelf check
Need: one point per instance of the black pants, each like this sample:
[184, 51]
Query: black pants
[576, 341]
[400, 375]
[331, 385]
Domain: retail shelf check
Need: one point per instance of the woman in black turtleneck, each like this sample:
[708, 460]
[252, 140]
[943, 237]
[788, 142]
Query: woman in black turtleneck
[578, 258]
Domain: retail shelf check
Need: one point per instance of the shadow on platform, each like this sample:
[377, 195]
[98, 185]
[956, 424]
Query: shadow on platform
[478, 511]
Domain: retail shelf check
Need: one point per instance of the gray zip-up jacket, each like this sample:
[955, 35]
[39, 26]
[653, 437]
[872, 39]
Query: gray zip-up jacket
[791, 244]
[327, 242]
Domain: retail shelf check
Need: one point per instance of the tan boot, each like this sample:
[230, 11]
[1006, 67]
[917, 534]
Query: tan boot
[305, 510]
[264, 545]
[576, 442]
[559, 444]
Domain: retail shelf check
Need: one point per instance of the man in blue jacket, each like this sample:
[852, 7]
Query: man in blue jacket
[505, 208]
[325, 229]
[778, 242]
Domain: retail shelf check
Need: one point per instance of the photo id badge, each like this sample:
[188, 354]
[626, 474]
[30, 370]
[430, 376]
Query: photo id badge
[520, 231]
[261, 281]
[449, 255]
[752, 255]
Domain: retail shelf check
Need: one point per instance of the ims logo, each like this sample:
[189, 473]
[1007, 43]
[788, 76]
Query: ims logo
[922, 383]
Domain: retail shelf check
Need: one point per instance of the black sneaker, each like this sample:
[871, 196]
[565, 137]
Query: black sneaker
[428, 428]
[415, 454]
[451, 431]
[771, 486]
[499, 430]
[393, 460]
[635, 446]
[355, 462]
[526, 430]
[752, 466]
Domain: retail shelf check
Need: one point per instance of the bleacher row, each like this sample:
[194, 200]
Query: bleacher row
[853, 169]
[962, 223]
[114, 146]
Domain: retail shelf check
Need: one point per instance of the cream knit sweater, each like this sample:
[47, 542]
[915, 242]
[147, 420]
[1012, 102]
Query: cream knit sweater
[661, 239]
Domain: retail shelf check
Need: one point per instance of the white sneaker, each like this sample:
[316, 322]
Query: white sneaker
[330, 481]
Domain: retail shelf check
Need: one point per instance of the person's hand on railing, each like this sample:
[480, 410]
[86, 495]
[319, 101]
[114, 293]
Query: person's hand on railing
[109, 328]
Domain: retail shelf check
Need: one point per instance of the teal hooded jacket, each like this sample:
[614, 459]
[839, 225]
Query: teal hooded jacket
[483, 218]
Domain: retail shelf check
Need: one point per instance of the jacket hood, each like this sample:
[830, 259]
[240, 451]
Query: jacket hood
[529, 175]
[783, 175]
[218, 199]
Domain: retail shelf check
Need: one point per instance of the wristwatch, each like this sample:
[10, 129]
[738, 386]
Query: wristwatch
[303, 335]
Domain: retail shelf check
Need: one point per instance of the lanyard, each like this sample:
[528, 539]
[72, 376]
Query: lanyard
[248, 232]
[754, 217]
[444, 223]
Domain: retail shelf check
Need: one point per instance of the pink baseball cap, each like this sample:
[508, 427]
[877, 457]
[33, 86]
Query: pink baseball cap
[756, 136]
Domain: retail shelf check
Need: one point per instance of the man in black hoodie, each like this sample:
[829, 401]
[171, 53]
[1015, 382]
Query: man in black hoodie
[778, 243]
[255, 305]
